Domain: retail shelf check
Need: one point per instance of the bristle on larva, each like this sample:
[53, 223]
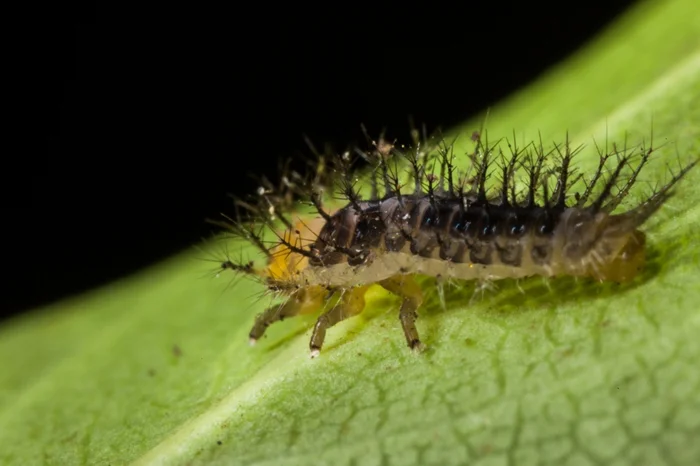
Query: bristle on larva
[439, 221]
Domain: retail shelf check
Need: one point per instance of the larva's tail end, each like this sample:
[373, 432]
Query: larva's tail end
[602, 246]
[626, 262]
[618, 253]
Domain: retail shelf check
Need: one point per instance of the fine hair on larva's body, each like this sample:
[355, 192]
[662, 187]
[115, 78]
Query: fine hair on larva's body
[443, 222]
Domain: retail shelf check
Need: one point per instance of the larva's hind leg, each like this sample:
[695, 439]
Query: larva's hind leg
[351, 303]
[407, 288]
[303, 301]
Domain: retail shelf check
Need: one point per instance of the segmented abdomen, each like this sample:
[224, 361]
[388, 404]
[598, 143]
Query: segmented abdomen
[448, 236]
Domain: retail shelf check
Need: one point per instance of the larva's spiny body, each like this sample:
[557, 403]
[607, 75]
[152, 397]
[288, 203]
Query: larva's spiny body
[450, 227]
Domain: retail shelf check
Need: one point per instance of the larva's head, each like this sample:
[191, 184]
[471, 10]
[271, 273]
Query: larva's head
[602, 246]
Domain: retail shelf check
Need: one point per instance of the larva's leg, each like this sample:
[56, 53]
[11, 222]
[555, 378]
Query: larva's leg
[407, 288]
[303, 301]
[351, 303]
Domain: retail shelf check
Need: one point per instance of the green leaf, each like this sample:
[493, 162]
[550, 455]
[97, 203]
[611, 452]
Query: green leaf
[156, 369]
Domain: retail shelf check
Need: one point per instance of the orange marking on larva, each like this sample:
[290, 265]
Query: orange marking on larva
[452, 226]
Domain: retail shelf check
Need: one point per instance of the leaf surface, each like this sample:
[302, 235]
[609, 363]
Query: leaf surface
[156, 369]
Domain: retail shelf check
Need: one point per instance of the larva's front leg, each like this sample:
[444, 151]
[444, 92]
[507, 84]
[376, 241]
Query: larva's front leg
[407, 288]
[351, 303]
[303, 301]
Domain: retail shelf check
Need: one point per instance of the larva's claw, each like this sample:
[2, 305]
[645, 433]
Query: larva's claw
[314, 353]
[252, 341]
[417, 346]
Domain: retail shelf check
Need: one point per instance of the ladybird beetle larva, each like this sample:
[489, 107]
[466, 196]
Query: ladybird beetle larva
[444, 222]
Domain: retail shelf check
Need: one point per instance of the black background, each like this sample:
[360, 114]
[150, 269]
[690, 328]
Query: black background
[148, 126]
